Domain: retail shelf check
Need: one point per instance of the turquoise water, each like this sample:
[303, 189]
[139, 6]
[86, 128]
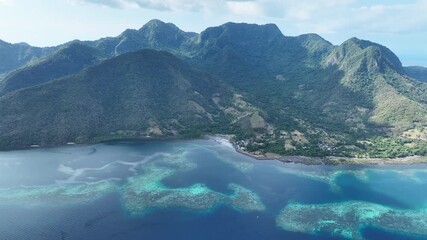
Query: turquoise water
[202, 189]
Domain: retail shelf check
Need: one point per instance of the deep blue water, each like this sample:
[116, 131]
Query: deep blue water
[41, 214]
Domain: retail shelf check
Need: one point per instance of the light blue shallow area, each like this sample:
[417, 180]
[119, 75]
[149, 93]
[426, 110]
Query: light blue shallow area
[202, 189]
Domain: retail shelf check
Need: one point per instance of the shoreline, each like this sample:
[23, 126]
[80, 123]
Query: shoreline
[330, 160]
[228, 140]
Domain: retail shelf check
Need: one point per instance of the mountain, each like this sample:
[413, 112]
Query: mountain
[277, 94]
[318, 98]
[70, 59]
[136, 94]
[16, 55]
[155, 34]
[417, 72]
[376, 75]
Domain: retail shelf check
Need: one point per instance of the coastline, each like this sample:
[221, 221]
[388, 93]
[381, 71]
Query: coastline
[330, 160]
[229, 140]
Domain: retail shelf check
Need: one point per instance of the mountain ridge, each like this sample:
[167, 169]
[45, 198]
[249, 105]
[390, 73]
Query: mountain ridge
[288, 95]
[16, 55]
[69, 59]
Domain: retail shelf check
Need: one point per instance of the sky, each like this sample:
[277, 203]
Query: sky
[401, 25]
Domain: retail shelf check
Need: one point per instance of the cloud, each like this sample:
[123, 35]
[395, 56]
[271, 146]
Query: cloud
[332, 16]
[248, 8]
[6, 2]
[160, 5]
[321, 16]
[392, 18]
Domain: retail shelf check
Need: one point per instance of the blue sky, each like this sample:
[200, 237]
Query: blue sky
[398, 24]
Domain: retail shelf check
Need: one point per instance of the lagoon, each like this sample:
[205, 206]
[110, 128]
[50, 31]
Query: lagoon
[202, 189]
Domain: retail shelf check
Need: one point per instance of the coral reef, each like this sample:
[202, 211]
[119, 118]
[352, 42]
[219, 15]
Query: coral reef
[345, 219]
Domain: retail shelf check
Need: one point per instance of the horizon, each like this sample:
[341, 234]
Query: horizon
[399, 25]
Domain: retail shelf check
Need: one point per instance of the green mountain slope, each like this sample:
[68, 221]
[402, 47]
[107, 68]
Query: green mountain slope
[376, 74]
[139, 94]
[318, 98]
[70, 59]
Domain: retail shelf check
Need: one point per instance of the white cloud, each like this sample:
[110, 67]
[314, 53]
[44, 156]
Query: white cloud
[244, 8]
[330, 16]
[393, 18]
[326, 17]
[300, 16]
[6, 2]
[161, 5]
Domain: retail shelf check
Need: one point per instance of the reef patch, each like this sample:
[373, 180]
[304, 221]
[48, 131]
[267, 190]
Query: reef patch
[346, 219]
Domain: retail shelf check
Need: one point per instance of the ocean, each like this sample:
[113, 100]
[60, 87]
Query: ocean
[202, 189]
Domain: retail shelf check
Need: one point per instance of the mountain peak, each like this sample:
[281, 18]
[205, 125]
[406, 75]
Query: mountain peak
[270, 28]
[357, 51]
[314, 43]
[250, 25]
[153, 24]
[156, 24]
[360, 43]
[154, 34]
[242, 31]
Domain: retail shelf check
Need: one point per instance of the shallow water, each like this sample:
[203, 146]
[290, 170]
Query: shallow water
[202, 189]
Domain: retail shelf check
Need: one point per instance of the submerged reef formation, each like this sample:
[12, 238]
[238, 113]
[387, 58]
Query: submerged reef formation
[57, 194]
[142, 191]
[244, 199]
[346, 219]
[146, 192]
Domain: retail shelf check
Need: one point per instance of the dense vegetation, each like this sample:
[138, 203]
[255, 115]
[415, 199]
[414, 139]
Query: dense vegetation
[276, 94]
